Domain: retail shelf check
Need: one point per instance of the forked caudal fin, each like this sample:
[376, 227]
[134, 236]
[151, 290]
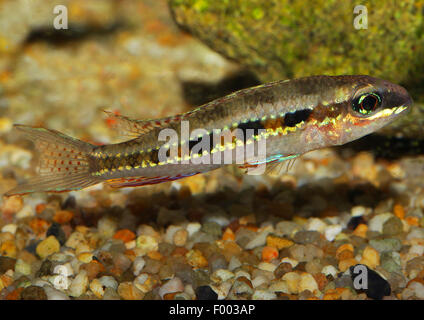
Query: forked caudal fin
[64, 162]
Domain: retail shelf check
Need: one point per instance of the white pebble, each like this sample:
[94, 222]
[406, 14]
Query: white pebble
[170, 231]
[25, 212]
[109, 282]
[138, 265]
[11, 228]
[329, 270]
[193, 227]
[222, 275]
[60, 282]
[332, 231]
[173, 285]
[293, 262]
[417, 250]
[259, 280]
[53, 294]
[315, 224]
[263, 295]
[267, 266]
[64, 270]
[418, 289]
[307, 282]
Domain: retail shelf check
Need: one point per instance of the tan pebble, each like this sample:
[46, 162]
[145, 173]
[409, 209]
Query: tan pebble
[97, 288]
[180, 237]
[279, 243]
[196, 259]
[147, 243]
[307, 282]
[75, 239]
[47, 247]
[344, 247]
[11, 205]
[128, 291]
[85, 257]
[8, 249]
[79, 284]
[370, 257]
[292, 279]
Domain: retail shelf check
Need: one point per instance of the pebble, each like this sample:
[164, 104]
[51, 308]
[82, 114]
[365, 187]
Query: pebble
[263, 295]
[193, 227]
[56, 230]
[386, 245]
[370, 257]
[315, 224]
[6, 263]
[53, 294]
[21, 267]
[292, 279]
[196, 259]
[377, 222]
[25, 212]
[307, 282]
[205, 293]
[171, 286]
[47, 247]
[145, 244]
[287, 228]
[9, 228]
[418, 289]
[212, 228]
[222, 275]
[109, 282]
[282, 269]
[222, 289]
[267, 266]
[138, 265]
[392, 226]
[305, 237]
[128, 291]
[180, 237]
[234, 263]
[332, 231]
[278, 242]
[97, 288]
[391, 262]
[106, 227]
[33, 293]
[329, 270]
[79, 284]
[279, 286]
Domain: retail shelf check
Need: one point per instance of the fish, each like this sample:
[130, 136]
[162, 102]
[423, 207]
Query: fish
[256, 127]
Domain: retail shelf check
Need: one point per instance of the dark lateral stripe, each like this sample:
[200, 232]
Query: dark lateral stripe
[293, 118]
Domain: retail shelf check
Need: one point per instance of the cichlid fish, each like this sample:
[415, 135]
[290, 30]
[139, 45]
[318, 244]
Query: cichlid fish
[287, 118]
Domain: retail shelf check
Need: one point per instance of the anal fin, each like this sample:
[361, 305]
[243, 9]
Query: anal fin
[143, 181]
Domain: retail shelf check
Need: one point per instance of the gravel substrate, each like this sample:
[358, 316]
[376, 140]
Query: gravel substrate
[224, 235]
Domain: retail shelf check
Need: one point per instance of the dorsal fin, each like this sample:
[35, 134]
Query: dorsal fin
[135, 128]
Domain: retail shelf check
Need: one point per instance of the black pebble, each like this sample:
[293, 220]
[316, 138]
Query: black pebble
[206, 293]
[355, 221]
[57, 231]
[32, 246]
[378, 287]
[70, 203]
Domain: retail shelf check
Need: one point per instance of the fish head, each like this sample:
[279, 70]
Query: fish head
[364, 104]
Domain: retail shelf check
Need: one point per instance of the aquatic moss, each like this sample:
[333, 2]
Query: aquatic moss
[282, 39]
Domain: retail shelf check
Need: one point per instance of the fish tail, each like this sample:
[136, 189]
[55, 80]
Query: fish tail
[64, 164]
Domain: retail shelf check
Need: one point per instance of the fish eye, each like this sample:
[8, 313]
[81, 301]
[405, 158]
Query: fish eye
[366, 103]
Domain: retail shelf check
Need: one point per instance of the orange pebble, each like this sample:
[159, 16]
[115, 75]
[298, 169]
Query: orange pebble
[343, 247]
[399, 211]
[40, 208]
[361, 230]
[63, 216]
[39, 226]
[412, 221]
[15, 294]
[125, 235]
[269, 253]
[155, 255]
[228, 235]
